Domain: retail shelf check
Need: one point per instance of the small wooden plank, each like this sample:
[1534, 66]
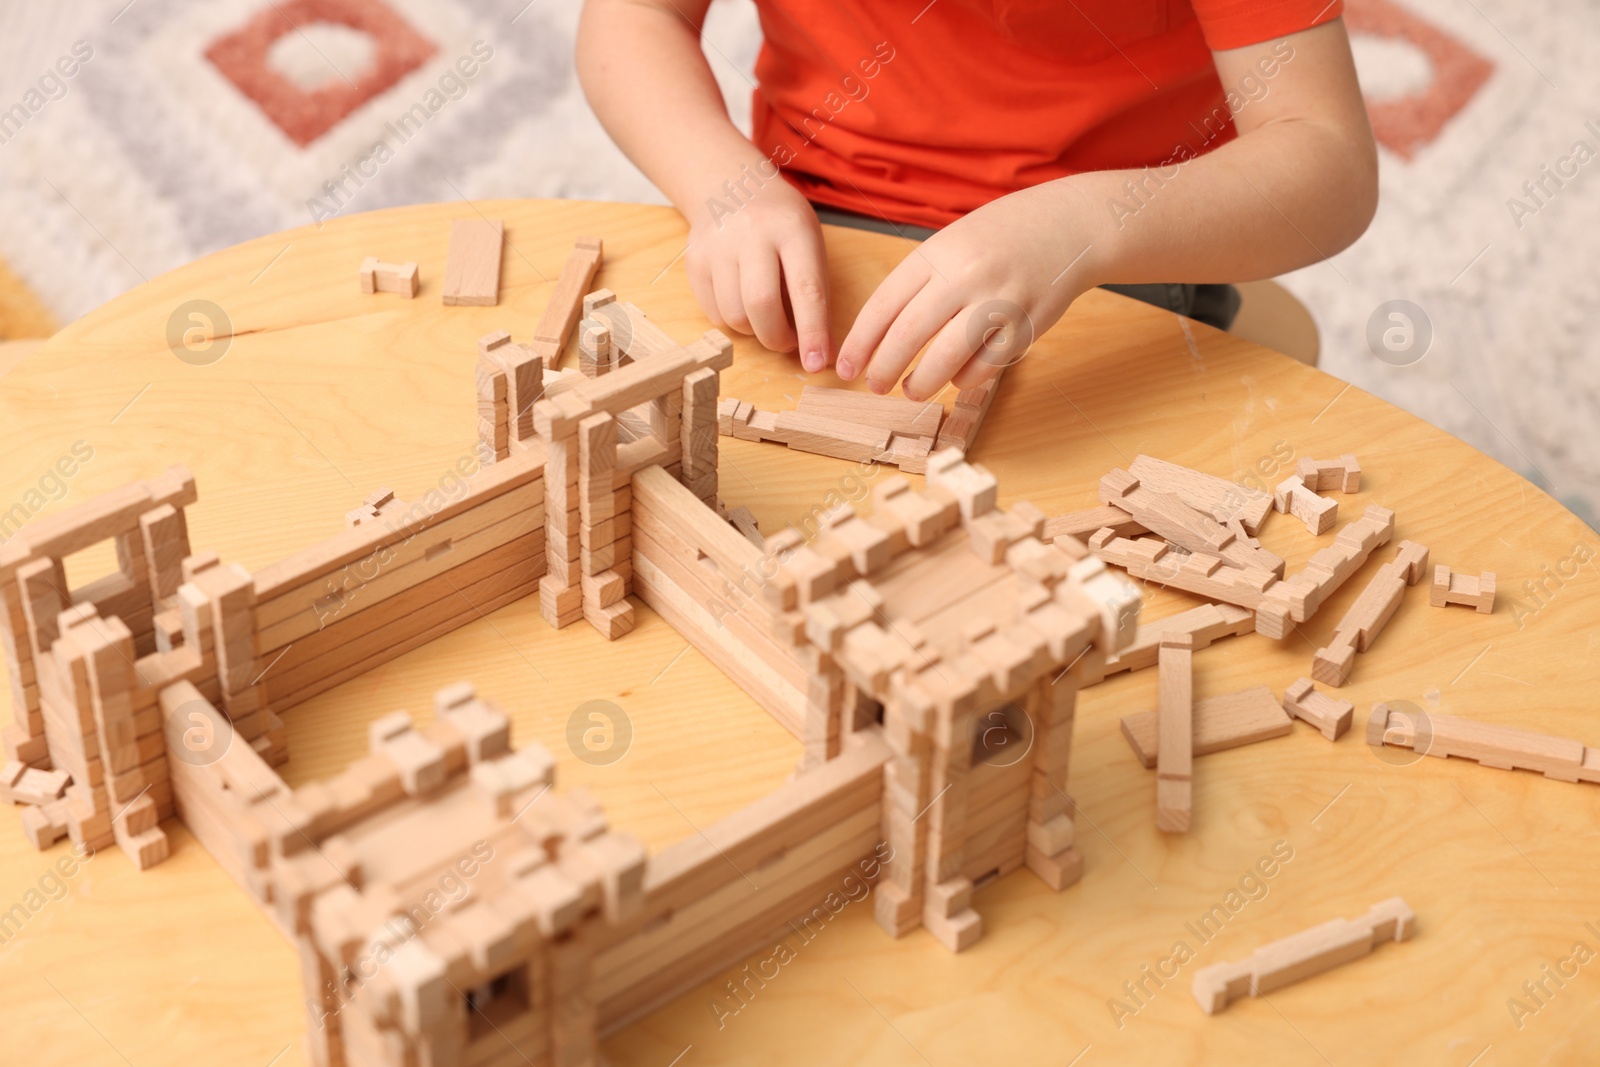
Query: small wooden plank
[1300, 595]
[1292, 496]
[1302, 955]
[1205, 624]
[1220, 722]
[1366, 618]
[1084, 524]
[1328, 714]
[472, 265]
[831, 437]
[1166, 514]
[1342, 475]
[561, 313]
[894, 413]
[1217, 497]
[1493, 745]
[1198, 573]
[1175, 729]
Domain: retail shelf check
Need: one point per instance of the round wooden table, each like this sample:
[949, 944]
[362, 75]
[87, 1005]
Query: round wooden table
[323, 394]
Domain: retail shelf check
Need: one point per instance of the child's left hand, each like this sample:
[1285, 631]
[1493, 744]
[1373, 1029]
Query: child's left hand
[995, 269]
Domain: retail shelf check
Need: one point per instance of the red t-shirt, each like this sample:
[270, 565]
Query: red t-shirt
[924, 111]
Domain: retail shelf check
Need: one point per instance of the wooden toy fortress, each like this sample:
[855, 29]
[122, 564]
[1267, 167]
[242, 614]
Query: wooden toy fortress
[894, 646]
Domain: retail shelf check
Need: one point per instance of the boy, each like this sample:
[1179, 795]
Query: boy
[1054, 145]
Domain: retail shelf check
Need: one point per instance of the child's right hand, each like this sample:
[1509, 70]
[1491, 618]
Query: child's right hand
[761, 269]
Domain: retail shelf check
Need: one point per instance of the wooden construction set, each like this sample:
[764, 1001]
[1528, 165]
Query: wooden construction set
[885, 644]
[891, 645]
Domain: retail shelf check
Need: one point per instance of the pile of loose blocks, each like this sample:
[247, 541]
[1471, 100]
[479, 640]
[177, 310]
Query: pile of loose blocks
[1184, 529]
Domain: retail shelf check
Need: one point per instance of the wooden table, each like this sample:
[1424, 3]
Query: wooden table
[325, 394]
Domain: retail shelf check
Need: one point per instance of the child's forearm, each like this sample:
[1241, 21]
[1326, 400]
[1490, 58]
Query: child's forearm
[1277, 199]
[641, 67]
[1299, 184]
[759, 270]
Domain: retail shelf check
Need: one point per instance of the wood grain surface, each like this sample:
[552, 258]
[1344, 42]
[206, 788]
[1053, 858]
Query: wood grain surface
[323, 394]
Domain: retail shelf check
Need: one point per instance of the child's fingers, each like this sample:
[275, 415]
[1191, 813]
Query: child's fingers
[949, 352]
[730, 299]
[879, 312]
[923, 317]
[762, 295]
[805, 274]
[705, 293]
[976, 371]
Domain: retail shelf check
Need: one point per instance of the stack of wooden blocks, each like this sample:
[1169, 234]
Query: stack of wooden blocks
[604, 528]
[948, 614]
[560, 597]
[447, 804]
[230, 593]
[588, 481]
[510, 379]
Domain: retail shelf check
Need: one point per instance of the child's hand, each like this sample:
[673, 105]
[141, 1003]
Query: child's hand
[761, 270]
[999, 268]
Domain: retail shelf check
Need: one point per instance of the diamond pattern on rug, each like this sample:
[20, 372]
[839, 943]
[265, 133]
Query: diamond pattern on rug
[1408, 123]
[306, 114]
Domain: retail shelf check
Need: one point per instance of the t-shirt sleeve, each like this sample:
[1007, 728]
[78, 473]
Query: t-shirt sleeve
[1236, 23]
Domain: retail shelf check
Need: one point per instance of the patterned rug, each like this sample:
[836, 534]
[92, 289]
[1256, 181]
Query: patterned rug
[136, 135]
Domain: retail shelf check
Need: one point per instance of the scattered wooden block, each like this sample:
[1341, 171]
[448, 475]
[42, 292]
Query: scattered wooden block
[1367, 617]
[1175, 730]
[379, 277]
[472, 265]
[561, 314]
[1220, 722]
[1451, 588]
[1302, 955]
[1502, 747]
[1342, 475]
[1084, 524]
[1194, 531]
[1326, 713]
[1196, 572]
[1221, 499]
[1299, 596]
[45, 824]
[830, 437]
[1318, 512]
[1205, 624]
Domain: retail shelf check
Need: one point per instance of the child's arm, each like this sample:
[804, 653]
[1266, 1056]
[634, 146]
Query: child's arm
[1299, 184]
[644, 74]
